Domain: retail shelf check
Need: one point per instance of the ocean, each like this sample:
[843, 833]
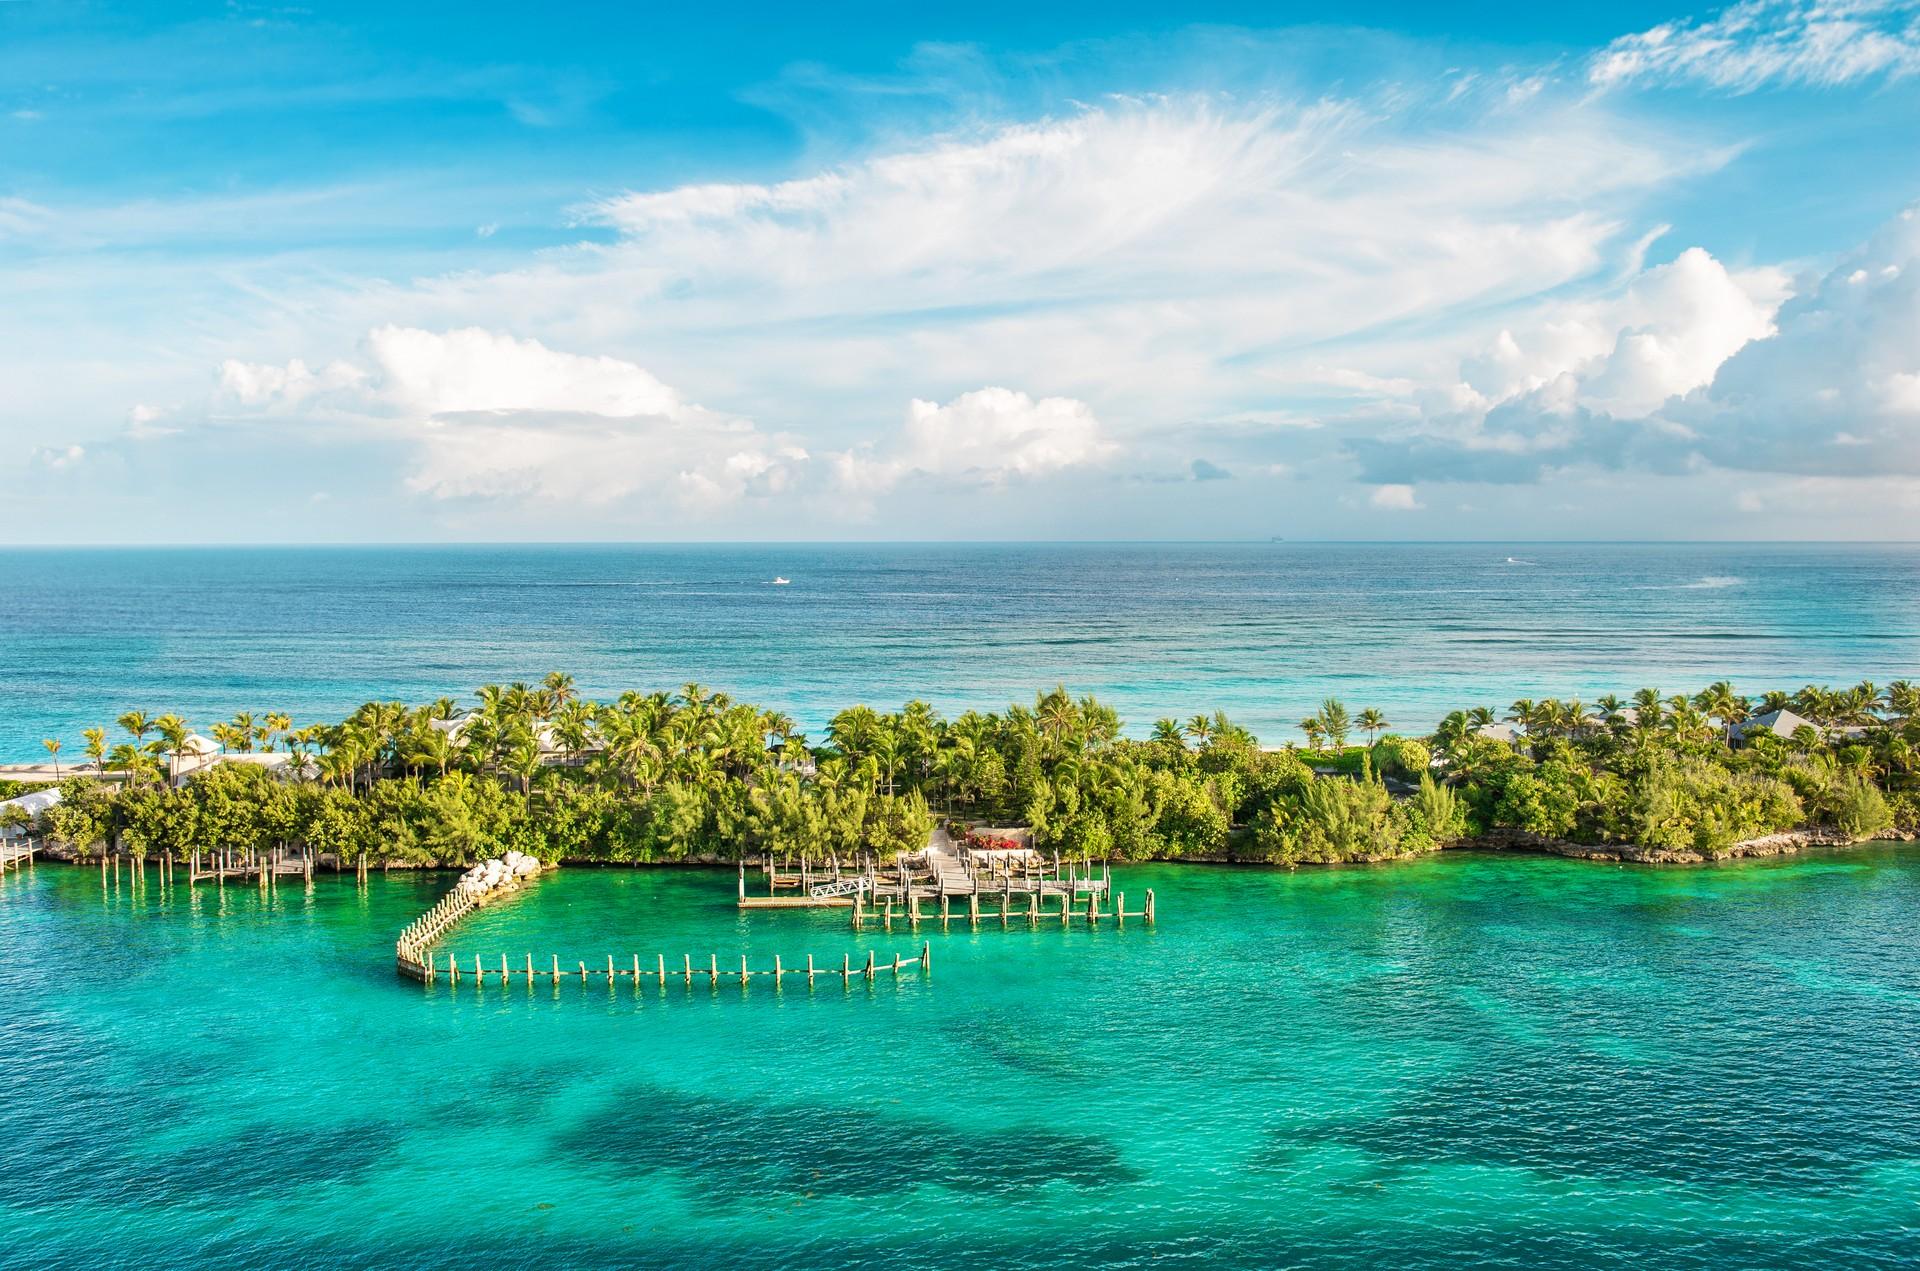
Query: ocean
[1264, 631]
[1462, 1061]
[1468, 1060]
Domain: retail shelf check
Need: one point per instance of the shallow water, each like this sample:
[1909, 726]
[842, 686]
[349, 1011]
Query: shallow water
[1262, 630]
[1471, 1060]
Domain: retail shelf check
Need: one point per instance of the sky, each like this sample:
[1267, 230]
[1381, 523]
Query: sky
[475, 272]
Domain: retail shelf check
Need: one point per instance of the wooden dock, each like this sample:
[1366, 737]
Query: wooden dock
[17, 854]
[657, 970]
[414, 959]
[945, 883]
[258, 867]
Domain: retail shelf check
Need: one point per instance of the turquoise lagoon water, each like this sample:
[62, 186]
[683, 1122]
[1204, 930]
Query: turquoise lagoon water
[1465, 1061]
[1263, 630]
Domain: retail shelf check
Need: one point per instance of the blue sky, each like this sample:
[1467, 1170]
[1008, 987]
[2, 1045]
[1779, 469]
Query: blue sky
[1009, 271]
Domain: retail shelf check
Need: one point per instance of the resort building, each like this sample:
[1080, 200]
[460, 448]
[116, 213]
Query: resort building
[33, 804]
[1781, 723]
[1509, 733]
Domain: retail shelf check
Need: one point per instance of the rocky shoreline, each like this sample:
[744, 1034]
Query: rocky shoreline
[1785, 843]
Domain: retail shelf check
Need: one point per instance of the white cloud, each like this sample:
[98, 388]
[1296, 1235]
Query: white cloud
[991, 436]
[58, 457]
[1837, 391]
[1747, 46]
[1826, 384]
[1394, 498]
[1530, 400]
[250, 384]
[1667, 334]
[1159, 258]
[492, 416]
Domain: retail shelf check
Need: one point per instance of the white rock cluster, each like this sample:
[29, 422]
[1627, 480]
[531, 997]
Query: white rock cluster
[492, 875]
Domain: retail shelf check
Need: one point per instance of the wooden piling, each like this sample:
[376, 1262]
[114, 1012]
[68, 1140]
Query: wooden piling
[556, 968]
[743, 957]
[1120, 910]
[926, 956]
[583, 973]
[636, 972]
[663, 971]
[869, 965]
[1148, 915]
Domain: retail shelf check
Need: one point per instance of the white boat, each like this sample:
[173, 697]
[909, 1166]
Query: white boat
[779, 582]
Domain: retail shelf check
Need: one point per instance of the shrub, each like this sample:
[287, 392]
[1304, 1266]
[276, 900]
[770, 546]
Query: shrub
[1402, 757]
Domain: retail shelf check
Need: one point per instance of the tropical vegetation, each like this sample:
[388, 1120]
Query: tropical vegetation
[694, 776]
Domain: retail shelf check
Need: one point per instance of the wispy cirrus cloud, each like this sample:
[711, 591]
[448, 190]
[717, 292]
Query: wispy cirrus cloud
[1820, 43]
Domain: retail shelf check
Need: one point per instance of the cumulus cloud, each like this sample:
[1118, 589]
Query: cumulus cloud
[1837, 391]
[1394, 498]
[1554, 394]
[990, 436]
[492, 416]
[1826, 384]
[1747, 46]
[58, 457]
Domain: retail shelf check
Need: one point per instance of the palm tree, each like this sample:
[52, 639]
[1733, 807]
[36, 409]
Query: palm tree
[53, 748]
[1648, 708]
[1200, 727]
[242, 731]
[1453, 731]
[1333, 718]
[1374, 723]
[173, 732]
[1313, 728]
[276, 724]
[1167, 733]
[96, 747]
[139, 725]
[1719, 701]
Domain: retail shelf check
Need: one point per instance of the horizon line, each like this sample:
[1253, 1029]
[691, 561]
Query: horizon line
[278, 544]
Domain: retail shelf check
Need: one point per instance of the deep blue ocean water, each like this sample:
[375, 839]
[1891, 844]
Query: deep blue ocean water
[1262, 630]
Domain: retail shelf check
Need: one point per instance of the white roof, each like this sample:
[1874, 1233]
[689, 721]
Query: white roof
[1781, 723]
[1500, 732]
[198, 745]
[34, 802]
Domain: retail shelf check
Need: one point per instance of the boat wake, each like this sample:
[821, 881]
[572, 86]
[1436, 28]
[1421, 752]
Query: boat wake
[1712, 582]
